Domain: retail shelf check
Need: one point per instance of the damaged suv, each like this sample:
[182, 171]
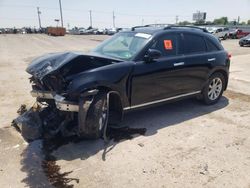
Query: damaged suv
[133, 69]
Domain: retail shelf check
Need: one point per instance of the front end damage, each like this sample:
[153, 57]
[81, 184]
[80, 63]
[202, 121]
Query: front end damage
[52, 114]
[59, 109]
[73, 111]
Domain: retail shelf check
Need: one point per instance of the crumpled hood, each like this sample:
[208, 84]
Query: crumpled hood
[45, 64]
[42, 66]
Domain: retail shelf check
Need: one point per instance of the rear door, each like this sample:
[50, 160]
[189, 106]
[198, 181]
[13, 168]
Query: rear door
[197, 62]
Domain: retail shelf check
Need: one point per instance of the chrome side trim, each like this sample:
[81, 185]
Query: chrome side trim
[161, 100]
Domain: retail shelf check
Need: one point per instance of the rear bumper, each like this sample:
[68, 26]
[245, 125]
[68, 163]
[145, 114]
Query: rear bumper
[61, 103]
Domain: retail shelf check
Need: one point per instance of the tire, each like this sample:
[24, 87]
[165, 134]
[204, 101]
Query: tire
[213, 90]
[97, 116]
[241, 45]
[225, 37]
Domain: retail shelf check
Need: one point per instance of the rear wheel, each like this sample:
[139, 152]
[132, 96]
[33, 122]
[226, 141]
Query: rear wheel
[97, 116]
[214, 89]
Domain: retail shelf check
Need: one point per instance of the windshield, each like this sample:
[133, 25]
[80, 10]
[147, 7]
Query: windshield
[123, 45]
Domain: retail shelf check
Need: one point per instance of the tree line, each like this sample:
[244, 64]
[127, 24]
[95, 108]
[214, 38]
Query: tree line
[217, 21]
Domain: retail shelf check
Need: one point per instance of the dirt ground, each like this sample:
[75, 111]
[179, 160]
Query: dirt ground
[186, 143]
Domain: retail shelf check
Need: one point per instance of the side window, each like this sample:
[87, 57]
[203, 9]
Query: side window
[193, 44]
[167, 44]
[211, 47]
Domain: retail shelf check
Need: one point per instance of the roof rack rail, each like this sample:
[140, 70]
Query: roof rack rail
[140, 26]
[158, 24]
[150, 25]
[186, 26]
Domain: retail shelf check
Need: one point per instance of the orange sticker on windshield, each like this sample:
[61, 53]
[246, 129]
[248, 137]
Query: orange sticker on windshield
[168, 44]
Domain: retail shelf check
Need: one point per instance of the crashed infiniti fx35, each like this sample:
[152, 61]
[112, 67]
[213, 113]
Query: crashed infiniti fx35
[133, 69]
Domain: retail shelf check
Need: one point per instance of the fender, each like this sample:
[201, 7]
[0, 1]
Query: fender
[221, 69]
[114, 77]
[85, 103]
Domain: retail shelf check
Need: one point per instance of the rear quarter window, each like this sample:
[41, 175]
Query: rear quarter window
[211, 47]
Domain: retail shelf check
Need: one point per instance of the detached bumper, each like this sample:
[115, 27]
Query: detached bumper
[61, 103]
[81, 107]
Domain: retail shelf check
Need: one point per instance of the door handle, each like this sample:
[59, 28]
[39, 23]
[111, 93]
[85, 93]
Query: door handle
[179, 64]
[211, 59]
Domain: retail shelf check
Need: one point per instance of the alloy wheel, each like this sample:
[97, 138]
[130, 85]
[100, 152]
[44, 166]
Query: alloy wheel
[215, 88]
[103, 116]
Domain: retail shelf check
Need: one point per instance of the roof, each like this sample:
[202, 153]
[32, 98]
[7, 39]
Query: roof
[156, 28]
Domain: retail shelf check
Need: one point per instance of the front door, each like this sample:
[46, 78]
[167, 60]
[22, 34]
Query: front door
[156, 80]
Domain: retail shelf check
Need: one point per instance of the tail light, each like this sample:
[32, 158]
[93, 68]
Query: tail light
[229, 55]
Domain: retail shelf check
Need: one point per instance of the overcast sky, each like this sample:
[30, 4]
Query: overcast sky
[21, 13]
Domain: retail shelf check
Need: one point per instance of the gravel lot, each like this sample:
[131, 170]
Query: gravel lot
[186, 144]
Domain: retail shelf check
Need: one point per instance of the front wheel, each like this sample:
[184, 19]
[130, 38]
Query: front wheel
[214, 89]
[97, 116]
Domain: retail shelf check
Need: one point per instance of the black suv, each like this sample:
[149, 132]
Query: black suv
[133, 69]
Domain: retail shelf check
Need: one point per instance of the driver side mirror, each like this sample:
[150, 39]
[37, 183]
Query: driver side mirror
[152, 54]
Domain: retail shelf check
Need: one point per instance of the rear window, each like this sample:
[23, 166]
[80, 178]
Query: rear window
[193, 44]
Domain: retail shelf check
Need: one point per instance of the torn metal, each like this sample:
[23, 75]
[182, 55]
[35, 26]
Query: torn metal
[59, 100]
[44, 121]
[49, 119]
[29, 124]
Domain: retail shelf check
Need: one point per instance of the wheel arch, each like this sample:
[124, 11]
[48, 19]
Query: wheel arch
[224, 73]
[115, 105]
